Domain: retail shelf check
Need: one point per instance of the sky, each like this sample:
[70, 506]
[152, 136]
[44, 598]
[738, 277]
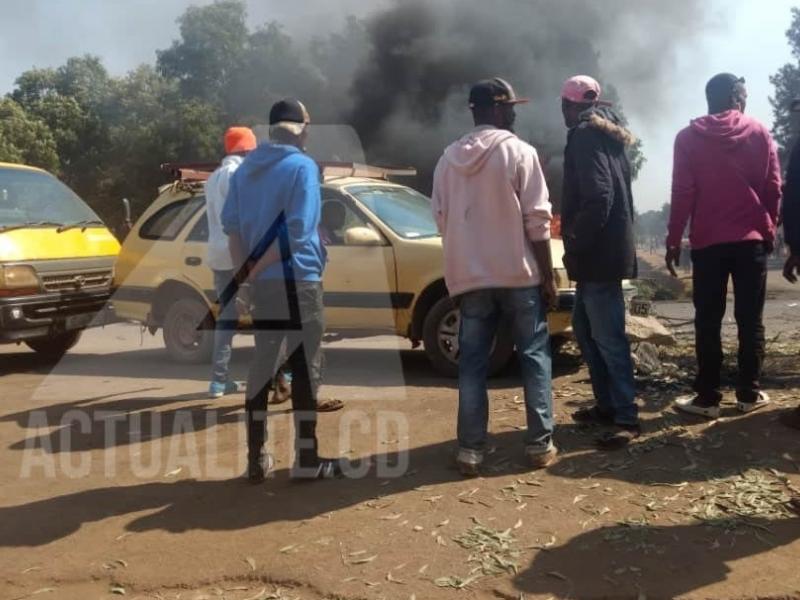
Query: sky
[746, 37]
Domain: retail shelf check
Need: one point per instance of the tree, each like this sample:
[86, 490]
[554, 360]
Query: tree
[212, 44]
[25, 139]
[787, 89]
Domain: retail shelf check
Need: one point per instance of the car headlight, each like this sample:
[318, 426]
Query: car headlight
[18, 279]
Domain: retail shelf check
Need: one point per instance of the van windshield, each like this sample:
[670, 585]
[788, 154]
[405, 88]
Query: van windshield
[33, 198]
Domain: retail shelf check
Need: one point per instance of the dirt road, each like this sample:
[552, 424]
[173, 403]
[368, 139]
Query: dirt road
[120, 476]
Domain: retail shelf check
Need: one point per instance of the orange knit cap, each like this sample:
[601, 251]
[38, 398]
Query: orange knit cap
[239, 139]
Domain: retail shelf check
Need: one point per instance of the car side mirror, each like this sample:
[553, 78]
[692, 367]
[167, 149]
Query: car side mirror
[362, 236]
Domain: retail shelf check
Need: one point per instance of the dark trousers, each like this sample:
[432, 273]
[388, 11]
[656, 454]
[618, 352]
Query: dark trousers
[746, 264]
[290, 314]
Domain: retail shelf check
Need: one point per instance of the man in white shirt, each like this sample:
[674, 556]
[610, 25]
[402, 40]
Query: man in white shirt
[238, 142]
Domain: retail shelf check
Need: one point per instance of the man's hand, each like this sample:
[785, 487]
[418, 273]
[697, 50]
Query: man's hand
[792, 268]
[673, 260]
[549, 292]
[244, 300]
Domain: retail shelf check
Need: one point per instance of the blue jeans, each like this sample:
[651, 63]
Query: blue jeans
[481, 313]
[598, 320]
[223, 336]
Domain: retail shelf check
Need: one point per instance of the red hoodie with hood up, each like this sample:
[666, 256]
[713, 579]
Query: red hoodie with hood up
[726, 179]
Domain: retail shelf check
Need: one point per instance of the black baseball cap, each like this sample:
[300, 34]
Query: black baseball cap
[493, 92]
[289, 110]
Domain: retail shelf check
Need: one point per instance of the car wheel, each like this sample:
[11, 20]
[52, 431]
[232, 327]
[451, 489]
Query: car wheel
[54, 347]
[189, 332]
[440, 335]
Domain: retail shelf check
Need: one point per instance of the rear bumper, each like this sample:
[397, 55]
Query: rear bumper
[45, 315]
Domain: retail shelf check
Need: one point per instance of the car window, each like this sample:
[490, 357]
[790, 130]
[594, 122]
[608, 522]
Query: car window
[168, 222]
[405, 211]
[200, 230]
[337, 217]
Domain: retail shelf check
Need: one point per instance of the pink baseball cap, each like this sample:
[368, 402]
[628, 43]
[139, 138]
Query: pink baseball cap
[581, 89]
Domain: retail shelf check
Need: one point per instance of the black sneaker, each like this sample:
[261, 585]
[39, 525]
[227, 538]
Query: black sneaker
[592, 416]
[257, 470]
[323, 468]
[619, 439]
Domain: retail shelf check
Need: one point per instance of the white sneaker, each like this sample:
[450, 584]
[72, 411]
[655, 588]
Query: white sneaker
[469, 461]
[688, 404]
[760, 402]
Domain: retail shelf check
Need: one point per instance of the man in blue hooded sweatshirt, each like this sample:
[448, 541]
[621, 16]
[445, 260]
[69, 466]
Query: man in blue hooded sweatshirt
[271, 216]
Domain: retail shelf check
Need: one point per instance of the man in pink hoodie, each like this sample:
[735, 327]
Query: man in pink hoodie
[727, 181]
[492, 206]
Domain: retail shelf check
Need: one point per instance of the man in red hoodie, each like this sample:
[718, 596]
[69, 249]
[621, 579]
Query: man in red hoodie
[726, 179]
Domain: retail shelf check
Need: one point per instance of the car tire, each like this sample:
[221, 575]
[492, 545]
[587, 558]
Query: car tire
[440, 336]
[189, 340]
[54, 347]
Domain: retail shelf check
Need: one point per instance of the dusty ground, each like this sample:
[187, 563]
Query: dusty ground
[118, 475]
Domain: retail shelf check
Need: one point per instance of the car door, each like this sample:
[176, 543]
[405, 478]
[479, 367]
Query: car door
[360, 279]
[194, 251]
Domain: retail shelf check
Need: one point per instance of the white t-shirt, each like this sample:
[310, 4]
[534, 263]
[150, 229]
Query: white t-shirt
[219, 256]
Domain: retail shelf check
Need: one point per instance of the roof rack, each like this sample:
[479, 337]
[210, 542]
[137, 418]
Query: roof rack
[336, 170]
[200, 171]
[190, 172]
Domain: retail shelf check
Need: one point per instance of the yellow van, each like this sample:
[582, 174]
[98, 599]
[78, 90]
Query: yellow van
[56, 261]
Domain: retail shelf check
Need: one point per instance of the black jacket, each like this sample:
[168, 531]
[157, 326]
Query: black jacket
[791, 202]
[597, 204]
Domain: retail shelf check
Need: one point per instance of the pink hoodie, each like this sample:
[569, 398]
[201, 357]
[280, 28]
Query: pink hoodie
[490, 201]
[727, 180]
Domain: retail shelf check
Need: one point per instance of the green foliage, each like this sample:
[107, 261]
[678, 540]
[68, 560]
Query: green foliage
[25, 139]
[787, 89]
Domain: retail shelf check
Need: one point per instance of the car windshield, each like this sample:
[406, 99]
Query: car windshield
[405, 211]
[36, 198]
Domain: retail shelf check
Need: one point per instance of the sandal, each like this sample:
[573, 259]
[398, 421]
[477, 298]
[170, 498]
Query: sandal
[329, 405]
[587, 416]
[619, 439]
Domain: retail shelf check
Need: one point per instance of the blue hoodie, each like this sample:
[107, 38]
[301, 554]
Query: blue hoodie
[275, 193]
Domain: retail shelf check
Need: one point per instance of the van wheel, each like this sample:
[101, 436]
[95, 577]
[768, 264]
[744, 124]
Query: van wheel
[189, 332]
[440, 335]
[54, 347]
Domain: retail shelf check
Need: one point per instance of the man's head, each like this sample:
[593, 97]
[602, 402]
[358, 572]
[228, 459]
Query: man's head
[333, 215]
[288, 123]
[578, 94]
[492, 102]
[239, 140]
[726, 92]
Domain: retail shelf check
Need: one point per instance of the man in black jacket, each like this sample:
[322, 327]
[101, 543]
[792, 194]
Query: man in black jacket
[597, 226]
[791, 232]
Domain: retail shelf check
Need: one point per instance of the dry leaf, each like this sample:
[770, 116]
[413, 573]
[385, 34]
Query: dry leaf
[422, 569]
[118, 590]
[443, 523]
[250, 561]
[391, 579]
[174, 473]
[31, 569]
[361, 561]
[418, 528]
[518, 524]
[392, 517]
[288, 548]
[579, 498]
[258, 595]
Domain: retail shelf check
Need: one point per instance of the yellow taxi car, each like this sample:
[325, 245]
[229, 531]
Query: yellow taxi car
[385, 272]
[56, 261]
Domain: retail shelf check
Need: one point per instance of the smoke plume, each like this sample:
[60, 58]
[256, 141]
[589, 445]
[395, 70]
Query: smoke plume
[409, 97]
